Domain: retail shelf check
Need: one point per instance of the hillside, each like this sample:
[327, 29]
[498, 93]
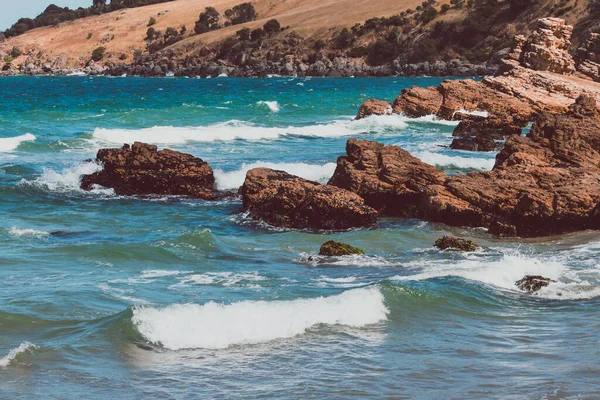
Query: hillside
[348, 37]
[129, 26]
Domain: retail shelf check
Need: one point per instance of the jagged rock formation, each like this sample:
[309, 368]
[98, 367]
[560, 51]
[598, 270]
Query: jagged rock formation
[288, 201]
[546, 49]
[545, 183]
[142, 170]
[480, 133]
[588, 57]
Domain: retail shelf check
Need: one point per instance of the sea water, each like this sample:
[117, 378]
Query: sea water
[105, 296]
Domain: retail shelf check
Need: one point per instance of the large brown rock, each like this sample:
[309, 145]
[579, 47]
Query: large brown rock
[142, 170]
[417, 102]
[387, 177]
[288, 201]
[545, 183]
[374, 107]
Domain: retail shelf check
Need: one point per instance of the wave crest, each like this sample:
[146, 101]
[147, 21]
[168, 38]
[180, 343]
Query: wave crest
[14, 353]
[11, 143]
[218, 326]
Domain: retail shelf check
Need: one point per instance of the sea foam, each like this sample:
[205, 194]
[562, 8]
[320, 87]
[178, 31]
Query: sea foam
[272, 105]
[218, 326]
[11, 143]
[502, 272]
[14, 231]
[238, 130]
[14, 353]
[312, 172]
[442, 160]
[67, 180]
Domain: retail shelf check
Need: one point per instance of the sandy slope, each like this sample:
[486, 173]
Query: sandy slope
[309, 17]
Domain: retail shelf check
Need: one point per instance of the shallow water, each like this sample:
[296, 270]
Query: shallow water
[117, 297]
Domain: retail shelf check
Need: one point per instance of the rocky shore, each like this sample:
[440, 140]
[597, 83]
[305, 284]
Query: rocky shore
[544, 183]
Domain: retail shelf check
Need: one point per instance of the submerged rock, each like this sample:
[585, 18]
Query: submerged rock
[481, 133]
[142, 170]
[453, 243]
[543, 184]
[288, 201]
[336, 249]
[533, 283]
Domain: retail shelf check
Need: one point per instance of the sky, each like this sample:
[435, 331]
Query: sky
[12, 10]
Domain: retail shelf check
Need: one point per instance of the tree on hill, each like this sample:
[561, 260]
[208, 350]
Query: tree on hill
[208, 20]
[272, 26]
[241, 13]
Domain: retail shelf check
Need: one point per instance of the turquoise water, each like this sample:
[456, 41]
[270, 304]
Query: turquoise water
[116, 297]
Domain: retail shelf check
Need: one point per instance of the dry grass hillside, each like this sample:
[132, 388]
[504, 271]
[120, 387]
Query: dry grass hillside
[123, 31]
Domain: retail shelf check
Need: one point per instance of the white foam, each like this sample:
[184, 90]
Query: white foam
[272, 105]
[484, 114]
[344, 261]
[221, 278]
[23, 347]
[27, 232]
[312, 172]
[158, 273]
[238, 130]
[433, 119]
[218, 326]
[11, 143]
[442, 160]
[69, 179]
[502, 272]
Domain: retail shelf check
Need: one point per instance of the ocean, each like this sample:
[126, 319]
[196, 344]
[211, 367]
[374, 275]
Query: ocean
[104, 296]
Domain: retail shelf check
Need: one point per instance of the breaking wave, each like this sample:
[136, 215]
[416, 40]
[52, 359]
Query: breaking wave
[11, 143]
[272, 105]
[14, 353]
[502, 272]
[218, 326]
[238, 130]
[14, 231]
[312, 172]
[67, 180]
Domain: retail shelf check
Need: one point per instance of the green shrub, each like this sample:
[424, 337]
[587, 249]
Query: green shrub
[15, 52]
[381, 52]
[257, 34]
[208, 20]
[151, 21]
[8, 59]
[445, 8]
[241, 13]
[244, 34]
[272, 26]
[89, 36]
[98, 53]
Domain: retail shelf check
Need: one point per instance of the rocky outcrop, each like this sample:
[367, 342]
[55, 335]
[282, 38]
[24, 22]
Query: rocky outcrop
[142, 170]
[288, 201]
[453, 243]
[387, 177]
[545, 183]
[547, 48]
[587, 57]
[417, 102]
[332, 248]
[374, 107]
[481, 133]
[533, 283]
